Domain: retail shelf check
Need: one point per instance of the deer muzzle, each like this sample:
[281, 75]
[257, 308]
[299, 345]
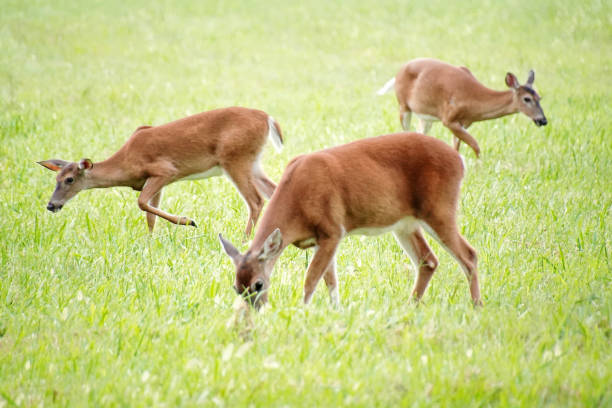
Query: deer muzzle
[54, 207]
[541, 121]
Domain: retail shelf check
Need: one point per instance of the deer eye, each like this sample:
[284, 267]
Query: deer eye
[69, 180]
[527, 99]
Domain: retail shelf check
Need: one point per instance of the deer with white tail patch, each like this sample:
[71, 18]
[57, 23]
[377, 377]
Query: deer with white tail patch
[228, 140]
[436, 91]
[402, 183]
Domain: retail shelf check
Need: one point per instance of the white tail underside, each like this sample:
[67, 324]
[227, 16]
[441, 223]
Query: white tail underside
[273, 135]
[388, 86]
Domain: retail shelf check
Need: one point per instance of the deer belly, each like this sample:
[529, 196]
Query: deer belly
[426, 118]
[212, 172]
[408, 223]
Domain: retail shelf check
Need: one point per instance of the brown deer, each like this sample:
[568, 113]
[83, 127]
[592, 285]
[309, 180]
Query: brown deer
[400, 183]
[437, 91]
[228, 140]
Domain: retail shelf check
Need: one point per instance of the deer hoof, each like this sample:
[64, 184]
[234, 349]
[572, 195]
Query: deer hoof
[192, 223]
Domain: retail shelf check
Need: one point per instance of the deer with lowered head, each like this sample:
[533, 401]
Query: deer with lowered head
[402, 183]
[228, 140]
[436, 91]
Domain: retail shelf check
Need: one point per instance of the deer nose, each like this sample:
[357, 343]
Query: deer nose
[54, 208]
[541, 121]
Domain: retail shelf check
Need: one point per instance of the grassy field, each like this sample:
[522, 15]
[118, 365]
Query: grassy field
[94, 311]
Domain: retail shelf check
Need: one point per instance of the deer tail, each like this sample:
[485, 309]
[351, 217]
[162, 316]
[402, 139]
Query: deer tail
[275, 134]
[387, 87]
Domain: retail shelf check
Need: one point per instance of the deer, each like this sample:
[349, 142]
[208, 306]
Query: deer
[437, 91]
[222, 141]
[402, 183]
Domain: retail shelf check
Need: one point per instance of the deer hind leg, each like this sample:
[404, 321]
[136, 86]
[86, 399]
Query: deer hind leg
[446, 233]
[150, 216]
[424, 125]
[242, 176]
[421, 255]
[152, 187]
[320, 265]
[405, 117]
[265, 186]
[331, 280]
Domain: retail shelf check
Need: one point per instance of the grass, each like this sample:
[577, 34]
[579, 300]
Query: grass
[94, 311]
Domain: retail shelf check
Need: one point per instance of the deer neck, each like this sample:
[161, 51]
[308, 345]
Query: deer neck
[495, 104]
[261, 234]
[109, 173]
[271, 221]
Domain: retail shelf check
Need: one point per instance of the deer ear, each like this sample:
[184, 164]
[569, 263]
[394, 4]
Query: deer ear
[511, 81]
[530, 77]
[85, 164]
[272, 246]
[53, 164]
[229, 249]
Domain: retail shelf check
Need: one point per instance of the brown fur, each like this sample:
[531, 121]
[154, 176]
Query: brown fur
[454, 96]
[369, 183]
[155, 156]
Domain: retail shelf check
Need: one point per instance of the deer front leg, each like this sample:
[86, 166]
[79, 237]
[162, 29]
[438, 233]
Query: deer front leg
[150, 216]
[456, 142]
[463, 135]
[320, 263]
[153, 186]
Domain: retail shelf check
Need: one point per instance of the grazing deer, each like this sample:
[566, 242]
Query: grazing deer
[435, 90]
[396, 183]
[207, 144]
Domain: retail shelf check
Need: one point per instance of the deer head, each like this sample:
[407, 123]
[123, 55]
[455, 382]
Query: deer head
[526, 98]
[253, 269]
[71, 178]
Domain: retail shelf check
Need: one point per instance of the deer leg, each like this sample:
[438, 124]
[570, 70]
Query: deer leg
[150, 216]
[405, 118]
[319, 265]
[151, 188]
[331, 280]
[456, 142]
[265, 186]
[242, 176]
[463, 135]
[424, 126]
[448, 236]
[423, 259]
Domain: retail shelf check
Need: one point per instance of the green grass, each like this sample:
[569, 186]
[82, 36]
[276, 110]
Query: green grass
[94, 311]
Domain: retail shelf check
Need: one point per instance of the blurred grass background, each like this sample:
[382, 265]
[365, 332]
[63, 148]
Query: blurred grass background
[94, 311]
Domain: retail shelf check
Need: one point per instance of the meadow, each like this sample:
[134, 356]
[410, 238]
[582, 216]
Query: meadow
[95, 311]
